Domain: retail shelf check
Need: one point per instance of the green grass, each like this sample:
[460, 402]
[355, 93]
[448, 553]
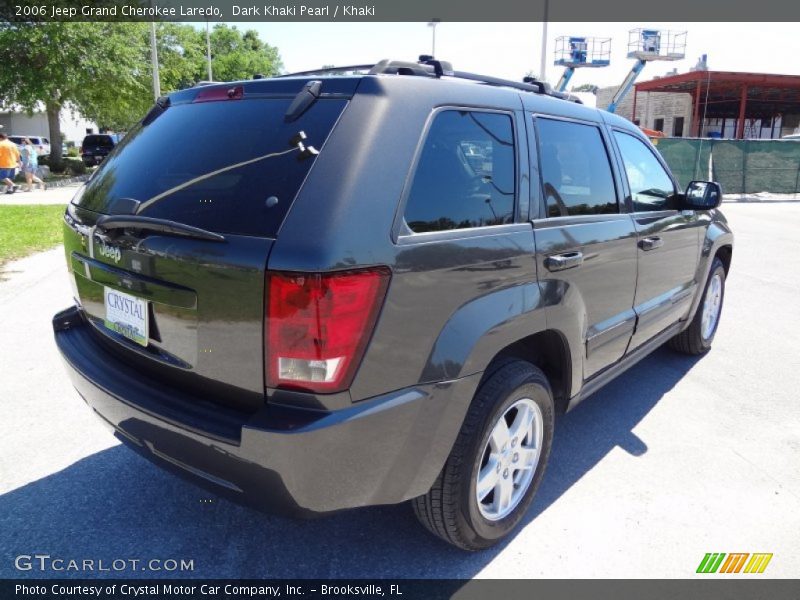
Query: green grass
[28, 229]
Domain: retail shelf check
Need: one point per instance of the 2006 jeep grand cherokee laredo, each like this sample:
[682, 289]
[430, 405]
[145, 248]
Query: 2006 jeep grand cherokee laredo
[314, 293]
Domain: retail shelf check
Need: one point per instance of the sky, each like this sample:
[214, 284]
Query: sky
[512, 49]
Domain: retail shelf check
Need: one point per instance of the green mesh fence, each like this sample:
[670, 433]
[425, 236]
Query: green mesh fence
[740, 166]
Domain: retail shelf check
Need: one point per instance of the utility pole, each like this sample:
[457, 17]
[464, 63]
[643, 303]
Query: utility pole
[154, 59]
[543, 65]
[432, 24]
[208, 52]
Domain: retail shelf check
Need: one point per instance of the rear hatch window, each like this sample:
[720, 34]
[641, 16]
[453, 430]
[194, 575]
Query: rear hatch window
[100, 141]
[230, 166]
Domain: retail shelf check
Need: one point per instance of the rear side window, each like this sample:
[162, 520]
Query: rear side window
[15, 139]
[228, 166]
[651, 186]
[465, 177]
[575, 168]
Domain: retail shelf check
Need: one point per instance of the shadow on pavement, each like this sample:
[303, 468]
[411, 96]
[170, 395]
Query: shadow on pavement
[114, 504]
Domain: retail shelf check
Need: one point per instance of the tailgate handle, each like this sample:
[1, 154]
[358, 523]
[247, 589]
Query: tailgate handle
[651, 243]
[559, 262]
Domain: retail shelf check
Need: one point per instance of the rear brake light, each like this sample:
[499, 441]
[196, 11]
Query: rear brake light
[318, 326]
[215, 94]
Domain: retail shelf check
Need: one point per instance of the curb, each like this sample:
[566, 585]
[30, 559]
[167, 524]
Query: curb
[765, 198]
[70, 181]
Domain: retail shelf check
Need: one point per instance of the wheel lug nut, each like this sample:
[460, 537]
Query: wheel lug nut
[513, 442]
[516, 457]
[505, 474]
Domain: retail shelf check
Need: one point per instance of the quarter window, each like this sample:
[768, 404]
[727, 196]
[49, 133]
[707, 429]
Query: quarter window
[466, 173]
[576, 173]
[651, 186]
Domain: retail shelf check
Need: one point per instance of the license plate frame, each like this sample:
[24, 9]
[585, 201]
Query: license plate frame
[126, 315]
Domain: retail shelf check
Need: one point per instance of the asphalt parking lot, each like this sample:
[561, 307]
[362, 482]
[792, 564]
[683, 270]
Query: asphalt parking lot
[677, 458]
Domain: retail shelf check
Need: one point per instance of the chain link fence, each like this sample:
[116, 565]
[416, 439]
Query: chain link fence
[740, 166]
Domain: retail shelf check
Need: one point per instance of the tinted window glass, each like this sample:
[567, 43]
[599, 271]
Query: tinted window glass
[465, 176]
[16, 139]
[245, 141]
[103, 141]
[651, 186]
[576, 173]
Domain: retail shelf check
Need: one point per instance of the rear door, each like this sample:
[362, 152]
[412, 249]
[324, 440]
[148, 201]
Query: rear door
[585, 242]
[225, 172]
[668, 240]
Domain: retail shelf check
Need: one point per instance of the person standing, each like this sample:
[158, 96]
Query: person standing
[9, 160]
[30, 165]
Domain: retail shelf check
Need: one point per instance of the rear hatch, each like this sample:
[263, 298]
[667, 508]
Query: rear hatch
[168, 242]
[97, 145]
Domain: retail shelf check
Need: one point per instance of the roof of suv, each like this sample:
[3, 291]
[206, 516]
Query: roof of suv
[425, 76]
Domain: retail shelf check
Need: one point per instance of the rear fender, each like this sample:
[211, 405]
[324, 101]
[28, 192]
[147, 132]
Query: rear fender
[481, 328]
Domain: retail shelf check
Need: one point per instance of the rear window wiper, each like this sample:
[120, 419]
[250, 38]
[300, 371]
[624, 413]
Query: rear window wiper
[111, 222]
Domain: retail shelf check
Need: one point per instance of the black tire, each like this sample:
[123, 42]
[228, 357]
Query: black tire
[691, 340]
[450, 509]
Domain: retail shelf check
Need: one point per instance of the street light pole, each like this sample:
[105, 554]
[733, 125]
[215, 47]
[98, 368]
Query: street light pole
[154, 60]
[543, 65]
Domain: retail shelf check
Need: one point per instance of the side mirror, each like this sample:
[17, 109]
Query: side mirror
[702, 195]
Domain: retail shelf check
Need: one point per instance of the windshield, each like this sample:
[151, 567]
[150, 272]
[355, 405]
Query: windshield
[227, 166]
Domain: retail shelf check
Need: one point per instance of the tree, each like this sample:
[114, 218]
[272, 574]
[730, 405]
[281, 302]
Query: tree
[585, 87]
[240, 55]
[52, 65]
[103, 70]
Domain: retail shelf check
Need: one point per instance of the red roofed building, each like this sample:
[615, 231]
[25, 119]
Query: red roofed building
[715, 104]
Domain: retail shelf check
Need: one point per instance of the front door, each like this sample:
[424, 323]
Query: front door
[668, 241]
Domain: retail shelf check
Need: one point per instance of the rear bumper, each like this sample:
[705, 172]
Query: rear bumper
[292, 461]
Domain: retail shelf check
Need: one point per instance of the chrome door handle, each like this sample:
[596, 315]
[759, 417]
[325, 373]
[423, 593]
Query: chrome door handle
[651, 243]
[559, 262]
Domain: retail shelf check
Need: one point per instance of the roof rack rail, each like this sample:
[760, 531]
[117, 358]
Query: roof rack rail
[528, 85]
[428, 66]
[328, 70]
[402, 67]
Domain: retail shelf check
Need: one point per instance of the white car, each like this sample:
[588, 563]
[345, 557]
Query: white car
[42, 144]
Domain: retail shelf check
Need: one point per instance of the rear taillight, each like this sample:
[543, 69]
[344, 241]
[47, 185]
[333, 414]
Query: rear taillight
[318, 325]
